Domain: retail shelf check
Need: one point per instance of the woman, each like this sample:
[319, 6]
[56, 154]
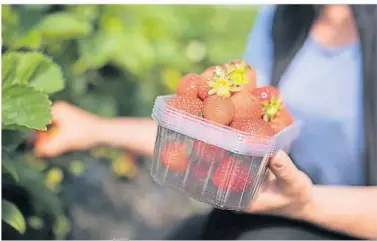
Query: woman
[324, 60]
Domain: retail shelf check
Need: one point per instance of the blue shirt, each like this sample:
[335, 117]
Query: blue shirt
[323, 88]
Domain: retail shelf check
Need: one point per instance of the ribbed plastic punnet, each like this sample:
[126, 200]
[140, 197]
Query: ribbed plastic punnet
[224, 167]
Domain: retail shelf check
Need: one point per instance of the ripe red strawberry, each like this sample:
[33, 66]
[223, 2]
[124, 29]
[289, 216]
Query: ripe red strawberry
[219, 109]
[189, 85]
[277, 114]
[242, 73]
[282, 120]
[188, 104]
[247, 106]
[232, 175]
[174, 157]
[204, 87]
[260, 130]
[265, 93]
[208, 153]
[200, 170]
[208, 73]
[257, 127]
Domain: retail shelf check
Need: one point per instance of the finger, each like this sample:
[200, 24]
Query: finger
[58, 111]
[284, 169]
[51, 147]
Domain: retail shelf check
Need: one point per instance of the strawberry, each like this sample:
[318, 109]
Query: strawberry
[282, 120]
[247, 106]
[265, 93]
[204, 86]
[208, 73]
[203, 89]
[189, 85]
[221, 84]
[241, 74]
[208, 153]
[277, 114]
[188, 104]
[232, 175]
[259, 129]
[174, 157]
[219, 109]
[200, 170]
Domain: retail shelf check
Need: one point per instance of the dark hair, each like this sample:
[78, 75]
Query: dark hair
[290, 28]
[318, 9]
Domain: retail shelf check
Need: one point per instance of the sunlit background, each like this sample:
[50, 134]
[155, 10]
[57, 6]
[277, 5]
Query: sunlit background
[115, 60]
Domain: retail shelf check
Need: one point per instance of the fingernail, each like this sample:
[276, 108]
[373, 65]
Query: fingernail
[278, 164]
[276, 160]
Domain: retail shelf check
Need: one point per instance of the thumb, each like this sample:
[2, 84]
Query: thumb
[283, 168]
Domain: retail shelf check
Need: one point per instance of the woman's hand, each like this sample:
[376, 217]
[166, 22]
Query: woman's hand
[74, 129]
[287, 191]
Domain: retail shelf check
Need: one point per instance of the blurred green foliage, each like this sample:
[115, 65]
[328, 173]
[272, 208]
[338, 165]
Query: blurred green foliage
[115, 59]
[118, 58]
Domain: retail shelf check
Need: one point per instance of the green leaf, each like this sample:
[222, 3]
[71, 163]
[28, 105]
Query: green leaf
[8, 14]
[9, 24]
[39, 7]
[87, 11]
[32, 40]
[11, 139]
[8, 165]
[63, 26]
[12, 216]
[23, 106]
[31, 68]
[97, 51]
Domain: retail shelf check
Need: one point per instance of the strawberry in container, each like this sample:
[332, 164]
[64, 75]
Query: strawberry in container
[217, 134]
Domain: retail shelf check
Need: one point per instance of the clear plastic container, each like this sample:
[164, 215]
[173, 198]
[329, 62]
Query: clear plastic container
[212, 163]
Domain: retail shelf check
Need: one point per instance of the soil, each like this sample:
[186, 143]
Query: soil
[102, 206]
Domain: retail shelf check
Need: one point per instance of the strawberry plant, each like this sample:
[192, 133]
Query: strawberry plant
[27, 80]
[121, 56]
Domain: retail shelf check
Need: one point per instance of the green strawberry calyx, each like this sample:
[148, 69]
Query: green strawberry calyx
[237, 73]
[271, 108]
[229, 78]
[220, 84]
